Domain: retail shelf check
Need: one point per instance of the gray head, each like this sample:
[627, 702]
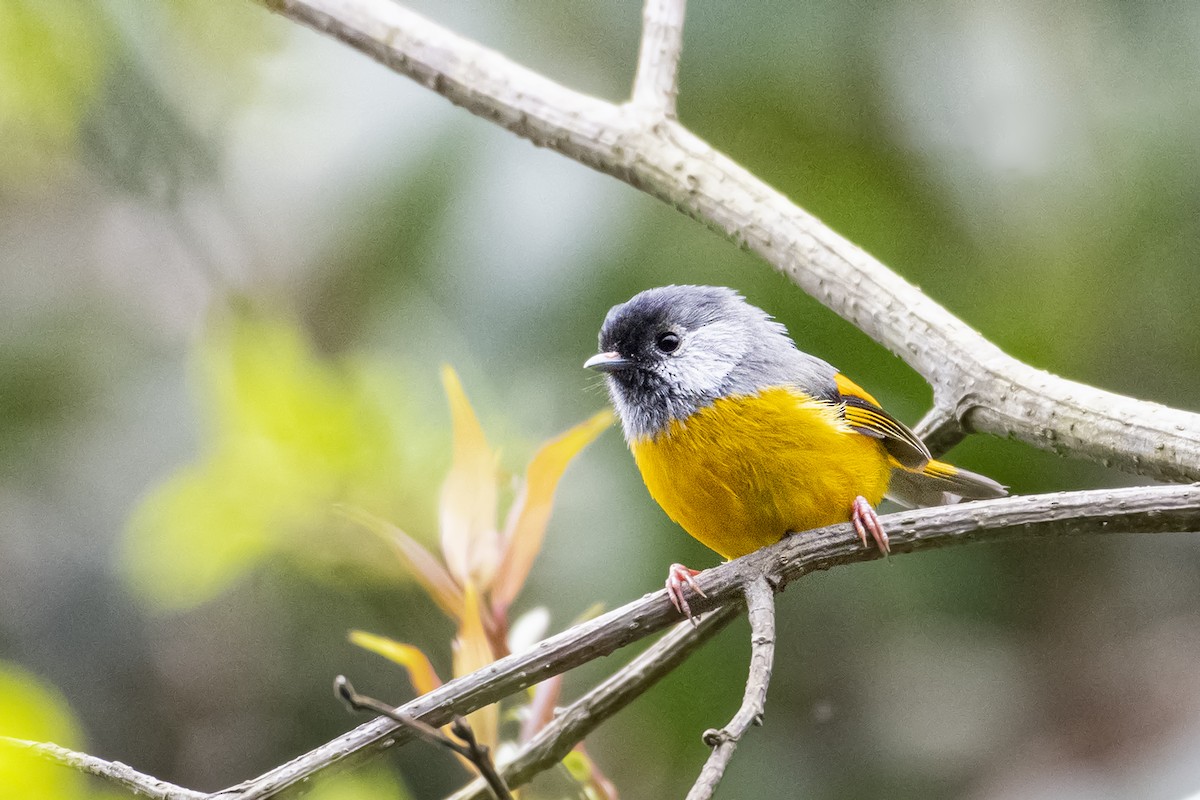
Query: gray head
[669, 352]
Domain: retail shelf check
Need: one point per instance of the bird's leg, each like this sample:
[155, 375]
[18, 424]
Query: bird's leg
[679, 576]
[865, 520]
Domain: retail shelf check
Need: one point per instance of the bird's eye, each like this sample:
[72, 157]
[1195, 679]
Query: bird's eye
[667, 341]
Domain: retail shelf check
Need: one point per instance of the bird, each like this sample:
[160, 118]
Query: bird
[742, 438]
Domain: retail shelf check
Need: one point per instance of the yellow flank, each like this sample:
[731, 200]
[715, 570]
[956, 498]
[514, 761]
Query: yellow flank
[744, 471]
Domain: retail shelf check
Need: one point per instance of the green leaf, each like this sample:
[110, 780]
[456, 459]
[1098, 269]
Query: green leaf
[53, 54]
[36, 712]
[290, 436]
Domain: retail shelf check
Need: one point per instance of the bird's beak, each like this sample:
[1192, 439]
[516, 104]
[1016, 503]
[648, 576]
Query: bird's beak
[607, 362]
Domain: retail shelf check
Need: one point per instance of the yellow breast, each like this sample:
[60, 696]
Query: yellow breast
[744, 471]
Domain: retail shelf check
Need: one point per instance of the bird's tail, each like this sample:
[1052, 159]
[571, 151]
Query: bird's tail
[939, 484]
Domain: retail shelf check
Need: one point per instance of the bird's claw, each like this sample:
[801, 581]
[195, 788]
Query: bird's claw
[866, 521]
[679, 576]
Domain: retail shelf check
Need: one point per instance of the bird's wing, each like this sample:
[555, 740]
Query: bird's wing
[863, 413]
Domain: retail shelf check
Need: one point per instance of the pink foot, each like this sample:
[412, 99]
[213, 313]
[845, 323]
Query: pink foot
[679, 576]
[867, 521]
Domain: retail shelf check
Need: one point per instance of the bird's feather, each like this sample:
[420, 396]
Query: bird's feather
[863, 413]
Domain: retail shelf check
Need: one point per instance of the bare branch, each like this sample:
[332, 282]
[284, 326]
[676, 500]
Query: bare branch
[113, 772]
[988, 390]
[657, 82]
[572, 724]
[760, 607]
[1158, 509]
[1155, 509]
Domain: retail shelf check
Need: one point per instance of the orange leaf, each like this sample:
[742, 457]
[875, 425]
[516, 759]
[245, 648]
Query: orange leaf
[472, 652]
[468, 507]
[420, 671]
[428, 571]
[526, 528]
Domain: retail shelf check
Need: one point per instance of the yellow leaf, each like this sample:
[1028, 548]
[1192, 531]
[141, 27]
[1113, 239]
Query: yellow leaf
[530, 513]
[428, 571]
[468, 508]
[472, 652]
[420, 671]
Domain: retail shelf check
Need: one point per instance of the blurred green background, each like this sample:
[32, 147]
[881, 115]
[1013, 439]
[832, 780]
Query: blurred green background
[233, 254]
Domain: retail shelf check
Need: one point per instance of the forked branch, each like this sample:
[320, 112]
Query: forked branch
[974, 383]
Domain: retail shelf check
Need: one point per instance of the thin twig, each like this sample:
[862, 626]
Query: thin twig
[1143, 509]
[760, 607]
[657, 81]
[576, 721]
[988, 390]
[113, 772]
[469, 748]
[361, 702]
[481, 756]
